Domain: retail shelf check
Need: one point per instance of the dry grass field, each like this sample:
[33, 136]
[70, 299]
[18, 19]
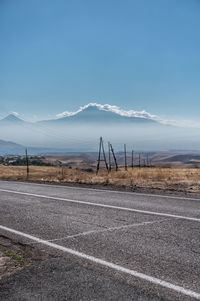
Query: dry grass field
[173, 179]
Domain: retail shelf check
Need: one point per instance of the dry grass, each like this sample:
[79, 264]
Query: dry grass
[187, 180]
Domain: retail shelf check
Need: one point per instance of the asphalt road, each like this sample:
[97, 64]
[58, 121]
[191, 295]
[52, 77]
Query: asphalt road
[108, 245]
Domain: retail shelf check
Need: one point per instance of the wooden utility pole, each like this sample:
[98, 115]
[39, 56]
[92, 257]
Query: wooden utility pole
[125, 158]
[113, 153]
[99, 156]
[139, 161]
[104, 155]
[147, 160]
[132, 159]
[109, 158]
[27, 164]
[101, 147]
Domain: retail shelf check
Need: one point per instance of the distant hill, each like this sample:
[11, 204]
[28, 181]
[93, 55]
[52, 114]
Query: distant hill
[186, 158]
[11, 148]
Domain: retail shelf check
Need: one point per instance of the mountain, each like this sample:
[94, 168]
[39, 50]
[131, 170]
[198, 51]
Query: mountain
[91, 113]
[80, 130]
[96, 113]
[12, 119]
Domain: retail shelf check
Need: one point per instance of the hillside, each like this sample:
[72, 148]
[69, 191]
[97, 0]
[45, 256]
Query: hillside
[7, 147]
[186, 159]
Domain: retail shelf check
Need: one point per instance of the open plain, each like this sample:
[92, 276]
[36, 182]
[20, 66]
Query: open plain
[175, 180]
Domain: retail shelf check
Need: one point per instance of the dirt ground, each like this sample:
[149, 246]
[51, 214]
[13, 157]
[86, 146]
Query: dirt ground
[15, 256]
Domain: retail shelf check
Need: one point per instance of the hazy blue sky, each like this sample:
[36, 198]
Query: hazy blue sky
[56, 55]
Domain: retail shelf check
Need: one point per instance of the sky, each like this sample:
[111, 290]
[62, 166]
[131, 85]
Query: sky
[58, 55]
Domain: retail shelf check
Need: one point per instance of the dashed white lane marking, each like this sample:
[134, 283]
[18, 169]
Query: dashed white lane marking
[194, 219]
[108, 264]
[105, 190]
[104, 230]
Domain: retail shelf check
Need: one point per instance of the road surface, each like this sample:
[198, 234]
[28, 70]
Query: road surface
[105, 245]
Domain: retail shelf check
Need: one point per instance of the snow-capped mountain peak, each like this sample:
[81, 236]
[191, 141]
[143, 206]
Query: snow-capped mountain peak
[12, 118]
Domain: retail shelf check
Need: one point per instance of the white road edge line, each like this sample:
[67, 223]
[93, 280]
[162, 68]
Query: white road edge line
[108, 264]
[105, 206]
[106, 190]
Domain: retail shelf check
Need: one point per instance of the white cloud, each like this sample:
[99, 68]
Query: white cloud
[114, 109]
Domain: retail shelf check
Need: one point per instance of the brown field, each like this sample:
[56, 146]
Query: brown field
[171, 179]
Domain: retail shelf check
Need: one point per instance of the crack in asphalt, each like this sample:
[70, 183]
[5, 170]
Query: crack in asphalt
[104, 230]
